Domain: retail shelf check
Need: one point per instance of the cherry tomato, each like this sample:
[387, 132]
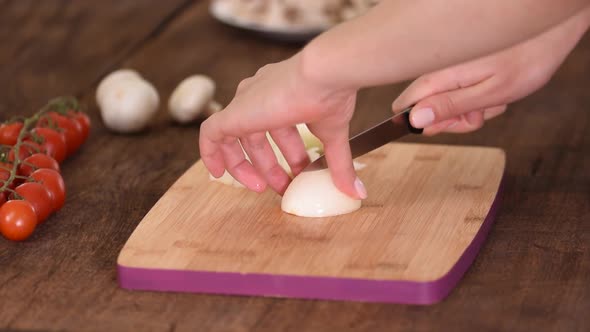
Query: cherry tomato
[26, 149]
[54, 183]
[39, 197]
[84, 122]
[54, 143]
[5, 173]
[2, 198]
[9, 132]
[5, 166]
[37, 161]
[71, 129]
[17, 220]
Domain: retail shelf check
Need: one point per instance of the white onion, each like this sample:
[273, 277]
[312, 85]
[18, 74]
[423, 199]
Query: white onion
[227, 179]
[313, 194]
[309, 139]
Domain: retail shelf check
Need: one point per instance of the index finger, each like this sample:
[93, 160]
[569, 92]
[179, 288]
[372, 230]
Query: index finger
[210, 152]
[339, 159]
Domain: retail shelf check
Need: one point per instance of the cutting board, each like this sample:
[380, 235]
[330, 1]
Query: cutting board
[429, 210]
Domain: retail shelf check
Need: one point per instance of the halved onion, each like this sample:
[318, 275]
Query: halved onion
[310, 194]
[313, 194]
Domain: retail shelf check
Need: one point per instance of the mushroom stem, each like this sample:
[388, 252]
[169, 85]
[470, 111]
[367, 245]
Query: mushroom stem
[212, 108]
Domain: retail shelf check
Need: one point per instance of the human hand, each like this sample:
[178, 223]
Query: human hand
[275, 99]
[461, 98]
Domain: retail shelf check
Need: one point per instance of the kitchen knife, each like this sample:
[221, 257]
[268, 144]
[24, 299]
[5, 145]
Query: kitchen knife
[390, 129]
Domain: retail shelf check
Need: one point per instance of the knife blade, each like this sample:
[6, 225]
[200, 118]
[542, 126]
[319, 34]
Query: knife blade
[390, 129]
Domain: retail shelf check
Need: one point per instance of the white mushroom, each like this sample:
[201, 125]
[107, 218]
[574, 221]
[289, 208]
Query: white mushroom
[117, 75]
[127, 102]
[193, 97]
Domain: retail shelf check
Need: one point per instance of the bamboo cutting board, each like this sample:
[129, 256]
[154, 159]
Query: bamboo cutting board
[428, 212]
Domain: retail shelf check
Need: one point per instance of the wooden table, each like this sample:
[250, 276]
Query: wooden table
[533, 273]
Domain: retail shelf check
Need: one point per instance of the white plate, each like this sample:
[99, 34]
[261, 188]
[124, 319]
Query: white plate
[288, 34]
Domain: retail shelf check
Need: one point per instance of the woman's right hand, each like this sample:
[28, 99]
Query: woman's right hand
[460, 98]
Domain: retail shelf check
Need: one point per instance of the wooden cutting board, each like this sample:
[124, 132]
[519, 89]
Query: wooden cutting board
[429, 210]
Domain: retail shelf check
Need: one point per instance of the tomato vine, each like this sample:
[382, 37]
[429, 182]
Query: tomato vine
[60, 124]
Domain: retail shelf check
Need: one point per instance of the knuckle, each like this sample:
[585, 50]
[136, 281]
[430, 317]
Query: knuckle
[498, 90]
[205, 128]
[506, 87]
[211, 120]
[299, 164]
[275, 171]
[256, 142]
[535, 78]
[445, 107]
[428, 83]
[210, 129]
[284, 133]
[228, 140]
[435, 82]
[262, 69]
[244, 83]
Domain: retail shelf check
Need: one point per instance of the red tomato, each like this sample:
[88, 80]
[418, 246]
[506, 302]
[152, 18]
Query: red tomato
[37, 161]
[4, 173]
[84, 122]
[9, 132]
[39, 197]
[54, 183]
[26, 149]
[5, 166]
[71, 129]
[2, 198]
[17, 220]
[5, 169]
[54, 143]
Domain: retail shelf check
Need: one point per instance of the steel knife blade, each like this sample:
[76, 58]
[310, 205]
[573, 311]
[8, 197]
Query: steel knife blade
[388, 130]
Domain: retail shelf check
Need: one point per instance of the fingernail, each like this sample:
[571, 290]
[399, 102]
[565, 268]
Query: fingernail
[422, 117]
[360, 188]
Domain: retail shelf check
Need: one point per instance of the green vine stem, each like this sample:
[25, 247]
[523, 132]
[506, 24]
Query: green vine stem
[59, 105]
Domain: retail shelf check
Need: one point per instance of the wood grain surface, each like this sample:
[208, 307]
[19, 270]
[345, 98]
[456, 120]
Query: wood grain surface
[531, 275]
[427, 203]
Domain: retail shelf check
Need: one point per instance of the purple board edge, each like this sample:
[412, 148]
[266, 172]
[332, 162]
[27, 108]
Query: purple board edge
[308, 287]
